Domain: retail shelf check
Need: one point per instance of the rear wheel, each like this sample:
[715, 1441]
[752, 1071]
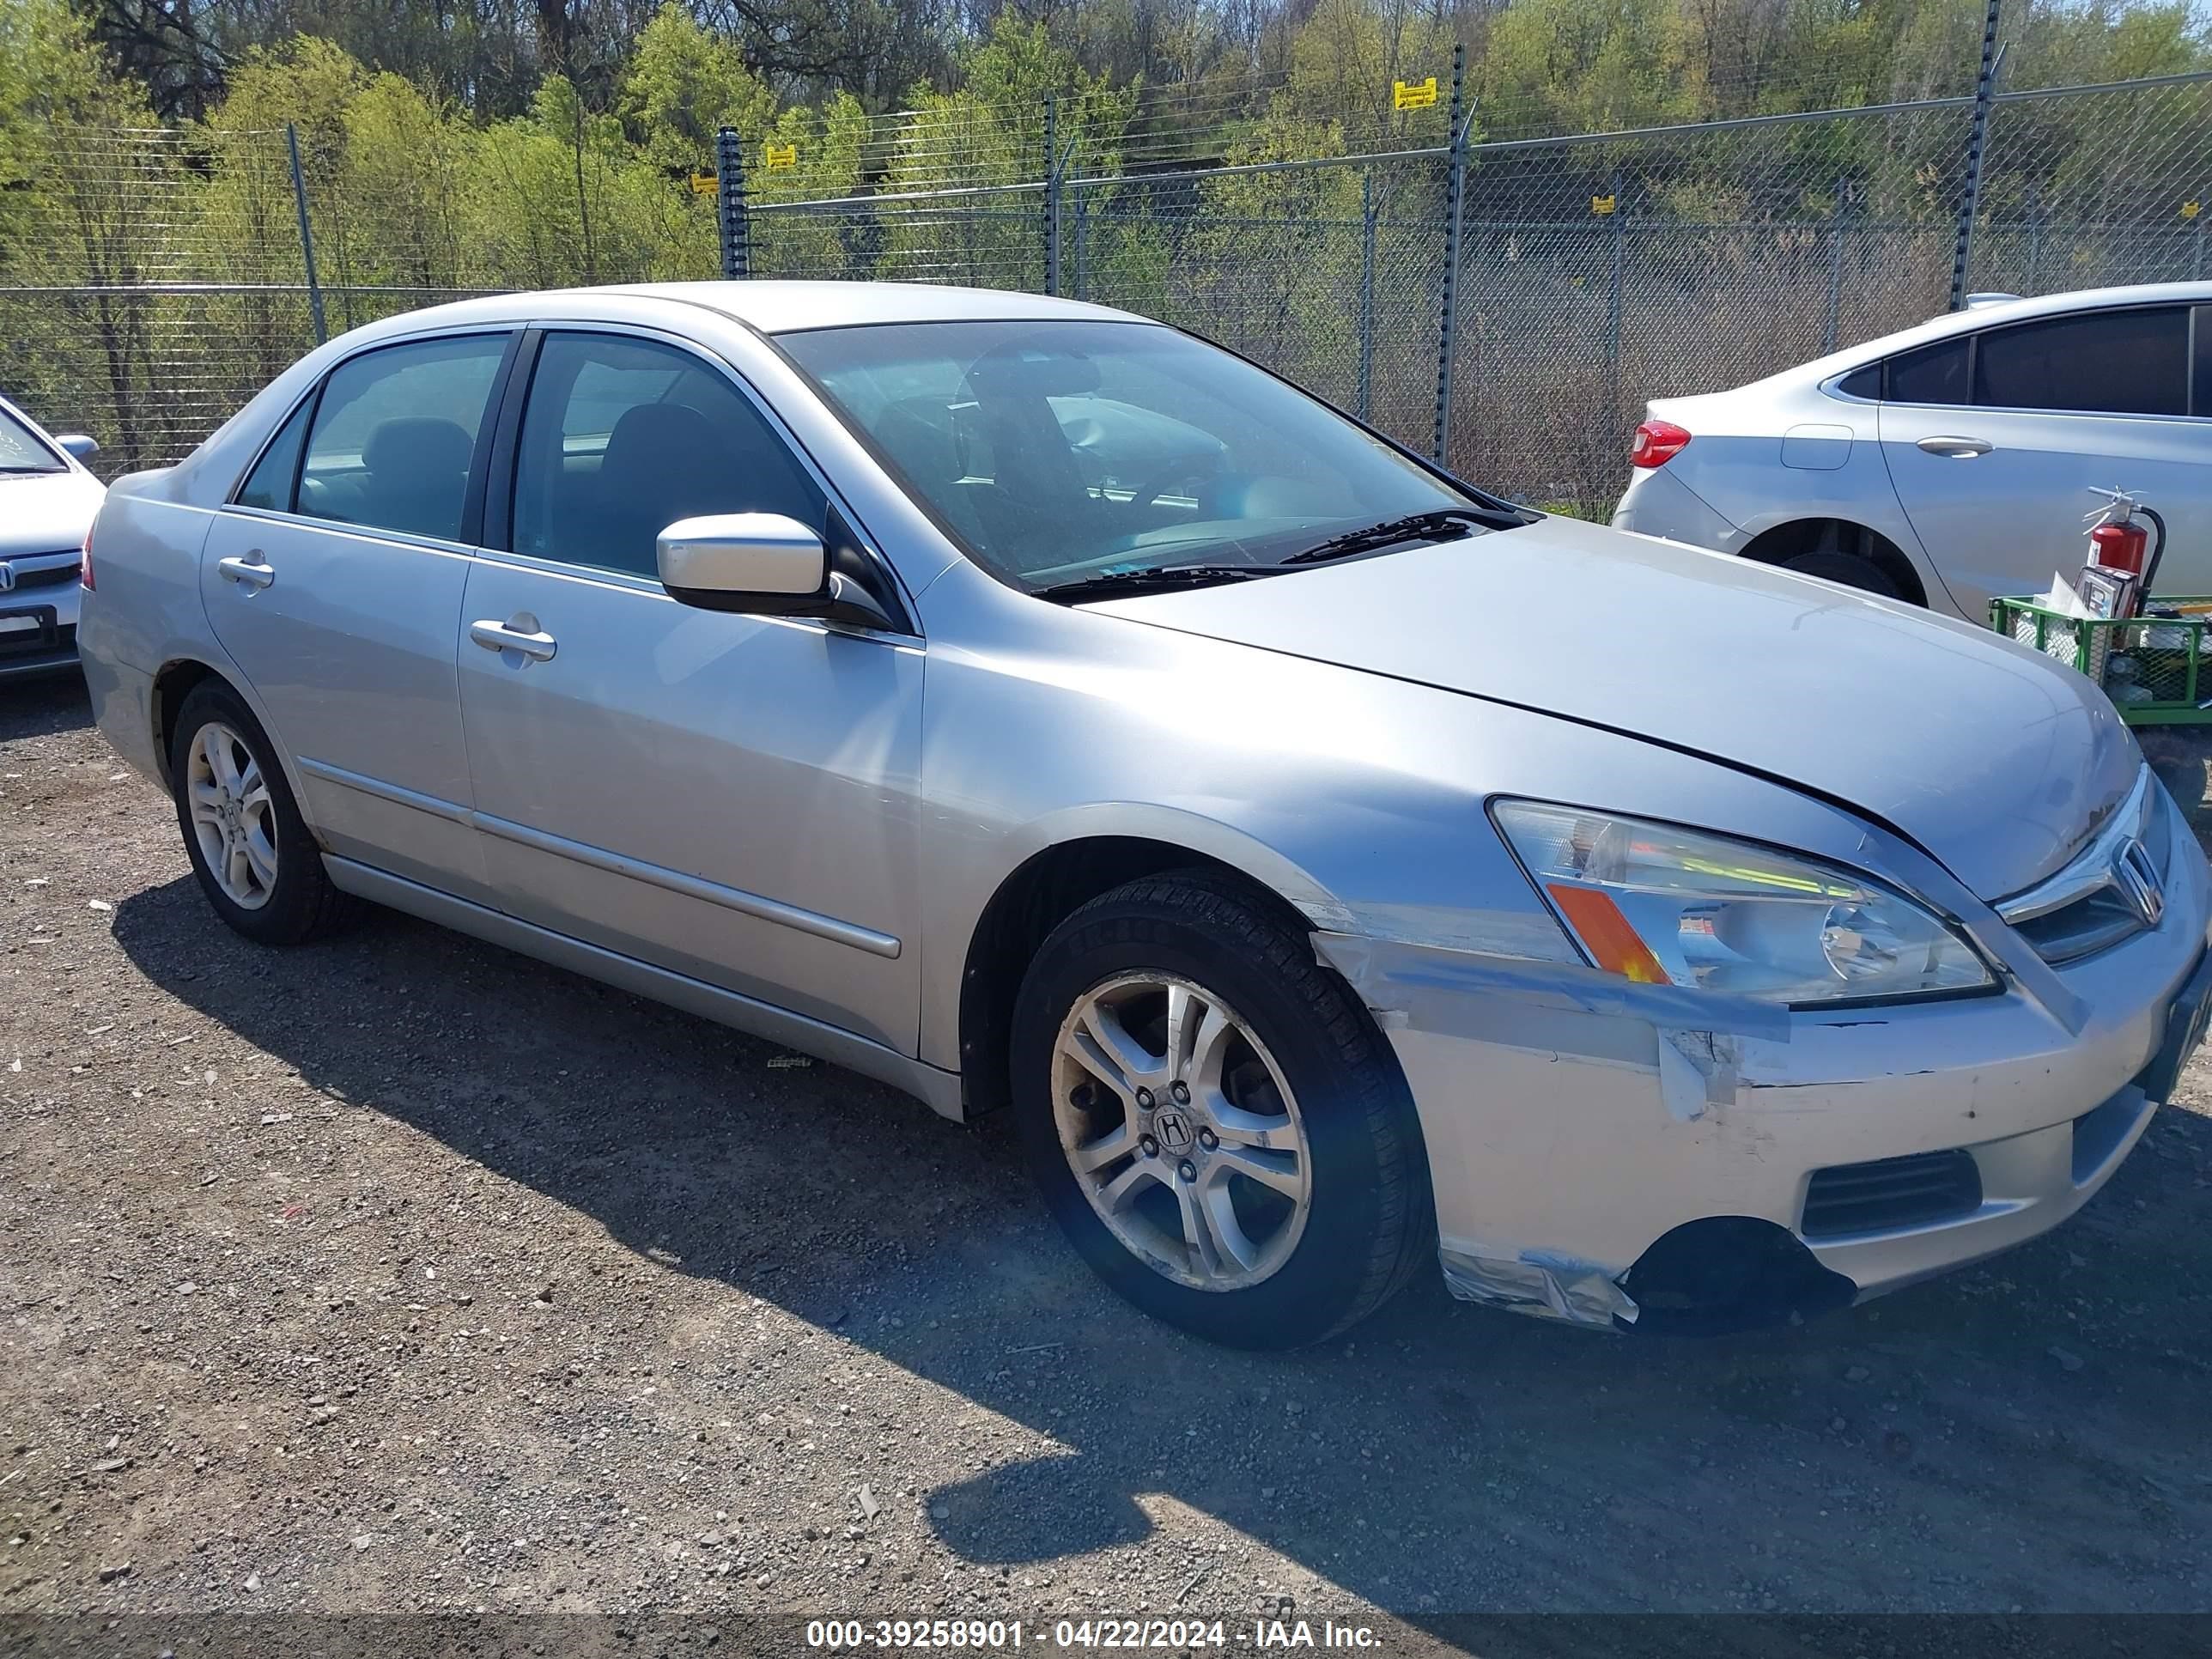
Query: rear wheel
[249, 846]
[1844, 554]
[1216, 1124]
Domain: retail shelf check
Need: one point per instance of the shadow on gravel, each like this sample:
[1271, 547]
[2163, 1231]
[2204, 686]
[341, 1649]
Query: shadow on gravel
[2030, 1434]
[40, 706]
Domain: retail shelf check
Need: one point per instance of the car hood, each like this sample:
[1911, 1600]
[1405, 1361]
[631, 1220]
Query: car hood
[47, 512]
[1993, 759]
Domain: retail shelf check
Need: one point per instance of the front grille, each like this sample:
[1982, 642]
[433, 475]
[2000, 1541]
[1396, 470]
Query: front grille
[2102, 916]
[1892, 1192]
[49, 578]
[44, 577]
[2082, 928]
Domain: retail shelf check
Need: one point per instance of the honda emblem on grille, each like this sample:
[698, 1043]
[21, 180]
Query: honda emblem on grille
[2136, 874]
[7, 578]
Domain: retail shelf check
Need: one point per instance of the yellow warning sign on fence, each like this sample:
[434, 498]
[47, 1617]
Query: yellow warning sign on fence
[780, 155]
[1413, 94]
[1603, 204]
[703, 184]
[2190, 209]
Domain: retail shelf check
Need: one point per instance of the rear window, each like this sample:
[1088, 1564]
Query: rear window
[2108, 362]
[1933, 374]
[1862, 382]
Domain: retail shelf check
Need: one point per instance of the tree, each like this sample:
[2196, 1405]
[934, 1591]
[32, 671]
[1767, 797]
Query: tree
[684, 84]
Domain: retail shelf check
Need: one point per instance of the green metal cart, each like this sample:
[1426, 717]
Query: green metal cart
[2152, 667]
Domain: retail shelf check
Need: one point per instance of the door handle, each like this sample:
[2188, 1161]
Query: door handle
[498, 636]
[251, 571]
[1959, 449]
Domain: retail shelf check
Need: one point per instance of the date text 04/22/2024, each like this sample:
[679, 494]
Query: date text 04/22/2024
[1174, 1635]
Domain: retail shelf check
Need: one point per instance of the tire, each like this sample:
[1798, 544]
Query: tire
[277, 892]
[1829, 559]
[1281, 1057]
[1847, 569]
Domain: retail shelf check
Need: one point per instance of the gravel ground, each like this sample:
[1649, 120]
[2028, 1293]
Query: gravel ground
[400, 1273]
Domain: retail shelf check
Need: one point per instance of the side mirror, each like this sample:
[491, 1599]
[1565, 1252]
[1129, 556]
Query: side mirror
[758, 561]
[78, 445]
[764, 565]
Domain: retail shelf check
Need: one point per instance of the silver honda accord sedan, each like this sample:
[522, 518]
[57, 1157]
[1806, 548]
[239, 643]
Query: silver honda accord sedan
[47, 502]
[1330, 866]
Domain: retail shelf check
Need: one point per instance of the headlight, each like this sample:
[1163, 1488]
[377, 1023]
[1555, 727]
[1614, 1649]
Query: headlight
[1665, 905]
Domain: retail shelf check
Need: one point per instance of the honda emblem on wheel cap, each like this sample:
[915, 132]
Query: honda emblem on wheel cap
[2135, 872]
[1174, 1130]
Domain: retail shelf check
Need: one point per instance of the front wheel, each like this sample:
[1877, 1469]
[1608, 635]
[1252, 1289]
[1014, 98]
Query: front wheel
[1215, 1122]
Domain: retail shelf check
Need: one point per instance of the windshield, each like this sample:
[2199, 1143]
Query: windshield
[1055, 452]
[20, 450]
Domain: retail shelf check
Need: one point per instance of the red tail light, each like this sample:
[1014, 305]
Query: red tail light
[84, 560]
[1658, 443]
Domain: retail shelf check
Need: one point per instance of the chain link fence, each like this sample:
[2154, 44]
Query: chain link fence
[151, 281]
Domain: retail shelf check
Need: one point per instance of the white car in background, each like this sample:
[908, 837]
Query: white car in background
[48, 502]
[1951, 464]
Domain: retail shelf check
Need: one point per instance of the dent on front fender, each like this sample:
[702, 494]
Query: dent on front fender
[1694, 1039]
[1491, 1042]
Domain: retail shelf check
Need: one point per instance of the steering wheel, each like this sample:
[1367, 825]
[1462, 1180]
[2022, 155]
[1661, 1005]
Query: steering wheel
[1200, 468]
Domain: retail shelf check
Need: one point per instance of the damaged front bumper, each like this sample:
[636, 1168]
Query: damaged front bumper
[1636, 1157]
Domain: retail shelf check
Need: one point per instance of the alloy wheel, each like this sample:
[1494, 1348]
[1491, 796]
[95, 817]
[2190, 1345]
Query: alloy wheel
[233, 818]
[1181, 1131]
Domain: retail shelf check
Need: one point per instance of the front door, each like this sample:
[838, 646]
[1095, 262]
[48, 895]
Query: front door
[335, 583]
[728, 796]
[1999, 438]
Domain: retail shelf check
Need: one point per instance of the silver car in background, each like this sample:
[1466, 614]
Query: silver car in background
[1951, 464]
[47, 501]
[1333, 868]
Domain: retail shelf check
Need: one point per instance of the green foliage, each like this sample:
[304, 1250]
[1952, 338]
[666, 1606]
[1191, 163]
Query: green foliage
[438, 161]
[683, 85]
[1591, 66]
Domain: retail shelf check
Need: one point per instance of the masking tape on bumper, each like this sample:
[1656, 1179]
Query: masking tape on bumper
[1542, 1283]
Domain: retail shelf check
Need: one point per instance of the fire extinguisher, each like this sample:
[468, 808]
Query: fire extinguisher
[2117, 543]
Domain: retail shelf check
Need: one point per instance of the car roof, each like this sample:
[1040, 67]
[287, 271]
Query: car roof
[778, 307]
[1991, 313]
[772, 307]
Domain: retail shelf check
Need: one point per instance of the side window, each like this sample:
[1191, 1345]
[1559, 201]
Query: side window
[395, 433]
[1861, 383]
[2202, 404]
[270, 484]
[1933, 374]
[622, 437]
[2107, 362]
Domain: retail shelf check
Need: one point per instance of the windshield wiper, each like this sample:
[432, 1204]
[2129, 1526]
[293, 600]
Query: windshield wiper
[1159, 577]
[1446, 523]
[12, 472]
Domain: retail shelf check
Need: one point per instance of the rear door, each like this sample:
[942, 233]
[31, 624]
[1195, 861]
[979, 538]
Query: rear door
[334, 579]
[1994, 441]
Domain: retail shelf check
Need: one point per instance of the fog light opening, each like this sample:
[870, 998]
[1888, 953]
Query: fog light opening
[1727, 1273]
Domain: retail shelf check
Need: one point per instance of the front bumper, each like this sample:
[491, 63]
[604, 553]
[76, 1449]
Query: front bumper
[38, 616]
[46, 653]
[1592, 1154]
